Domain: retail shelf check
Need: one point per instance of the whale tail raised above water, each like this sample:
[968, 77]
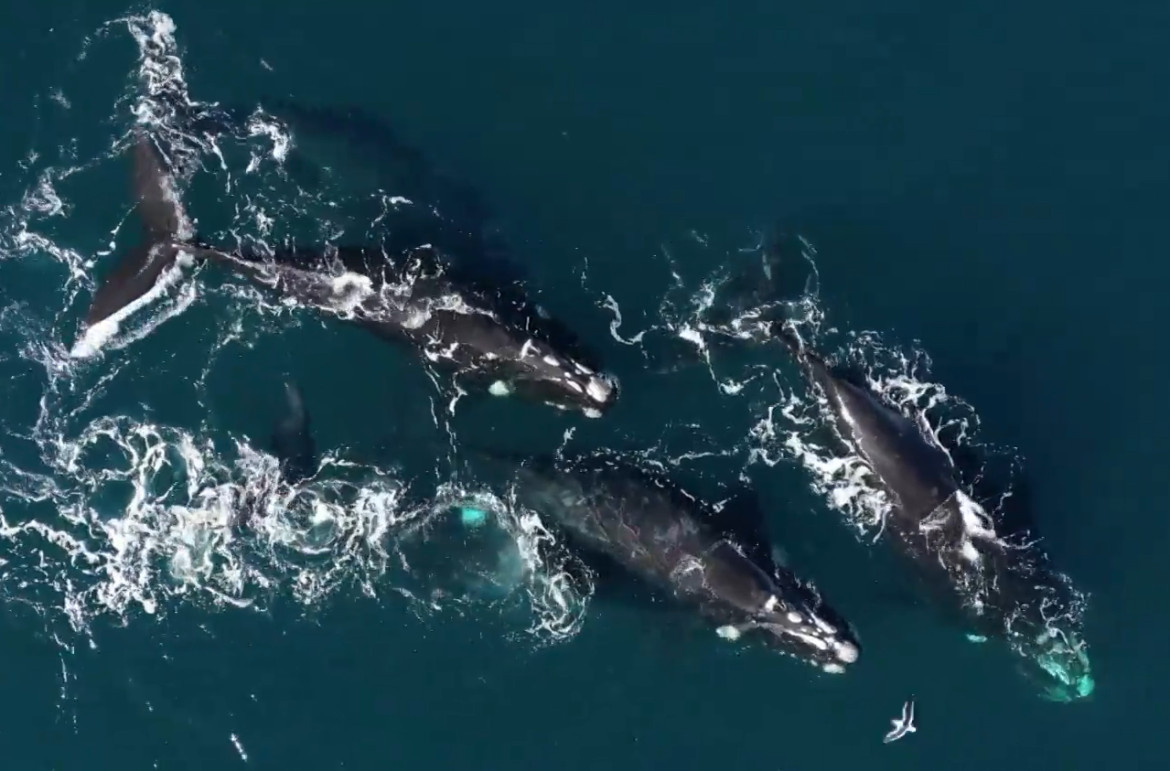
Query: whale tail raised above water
[151, 264]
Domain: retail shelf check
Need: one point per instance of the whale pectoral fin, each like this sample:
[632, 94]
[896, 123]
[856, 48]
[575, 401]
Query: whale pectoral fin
[292, 440]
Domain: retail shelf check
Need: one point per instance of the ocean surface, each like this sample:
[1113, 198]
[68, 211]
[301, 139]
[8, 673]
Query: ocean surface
[982, 191]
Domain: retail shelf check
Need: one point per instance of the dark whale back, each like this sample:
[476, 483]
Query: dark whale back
[498, 340]
[916, 471]
[974, 576]
[672, 541]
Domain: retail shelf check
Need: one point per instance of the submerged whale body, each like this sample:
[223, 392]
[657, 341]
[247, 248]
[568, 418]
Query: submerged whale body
[622, 514]
[999, 590]
[492, 337]
[292, 438]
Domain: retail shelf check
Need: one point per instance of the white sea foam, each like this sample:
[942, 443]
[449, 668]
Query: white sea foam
[119, 516]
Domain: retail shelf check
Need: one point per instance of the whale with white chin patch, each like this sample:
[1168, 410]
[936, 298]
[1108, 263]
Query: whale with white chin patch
[616, 513]
[995, 589]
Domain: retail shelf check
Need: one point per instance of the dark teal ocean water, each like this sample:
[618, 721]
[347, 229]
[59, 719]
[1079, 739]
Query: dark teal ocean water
[989, 182]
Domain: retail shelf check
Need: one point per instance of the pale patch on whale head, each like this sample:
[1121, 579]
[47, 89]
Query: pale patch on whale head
[728, 632]
[500, 388]
[599, 389]
[846, 651]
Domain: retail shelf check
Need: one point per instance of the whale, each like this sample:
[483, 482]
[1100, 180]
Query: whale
[149, 266]
[995, 589]
[494, 338]
[634, 518]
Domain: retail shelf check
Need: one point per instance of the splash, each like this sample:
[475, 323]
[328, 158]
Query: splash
[118, 517]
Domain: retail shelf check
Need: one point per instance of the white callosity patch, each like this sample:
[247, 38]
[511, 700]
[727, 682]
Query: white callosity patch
[599, 389]
[846, 651]
[728, 632]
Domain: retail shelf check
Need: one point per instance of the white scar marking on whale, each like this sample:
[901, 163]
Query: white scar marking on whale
[812, 640]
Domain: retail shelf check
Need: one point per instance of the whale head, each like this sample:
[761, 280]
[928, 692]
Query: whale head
[538, 371]
[778, 612]
[562, 386]
[816, 636]
[1057, 663]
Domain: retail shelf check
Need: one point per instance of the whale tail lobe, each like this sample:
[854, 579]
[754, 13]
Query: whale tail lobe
[145, 269]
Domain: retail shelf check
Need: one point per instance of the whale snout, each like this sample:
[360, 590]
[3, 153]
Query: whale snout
[569, 386]
[830, 645]
[600, 389]
[1058, 665]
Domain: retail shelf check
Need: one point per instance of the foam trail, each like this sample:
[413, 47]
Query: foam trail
[118, 517]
